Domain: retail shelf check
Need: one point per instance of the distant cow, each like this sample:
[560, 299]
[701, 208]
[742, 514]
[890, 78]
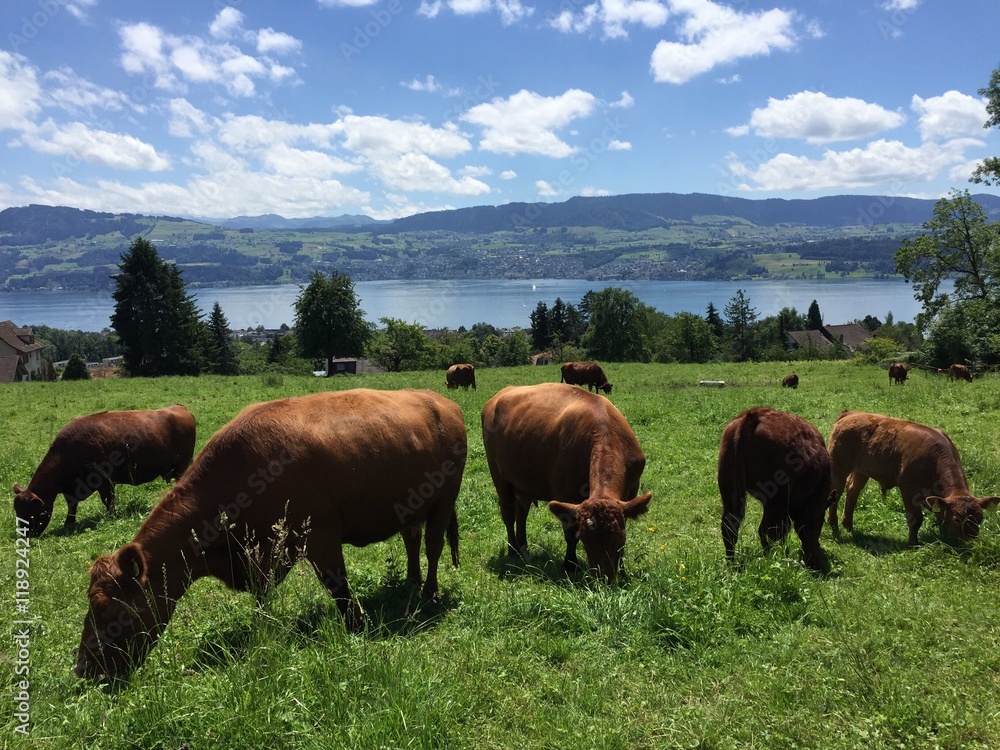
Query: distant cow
[921, 461]
[96, 452]
[780, 459]
[285, 480]
[552, 442]
[959, 372]
[897, 373]
[790, 381]
[461, 375]
[589, 374]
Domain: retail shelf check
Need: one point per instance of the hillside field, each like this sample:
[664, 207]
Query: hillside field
[893, 648]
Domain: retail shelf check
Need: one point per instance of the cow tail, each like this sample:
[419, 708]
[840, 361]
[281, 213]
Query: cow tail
[453, 537]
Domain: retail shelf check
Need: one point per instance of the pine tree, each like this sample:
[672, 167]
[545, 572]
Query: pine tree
[714, 320]
[814, 317]
[156, 320]
[540, 336]
[221, 352]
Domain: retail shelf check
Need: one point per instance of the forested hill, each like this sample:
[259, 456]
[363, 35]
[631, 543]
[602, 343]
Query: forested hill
[638, 212]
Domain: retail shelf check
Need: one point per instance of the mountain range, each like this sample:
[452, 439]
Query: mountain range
[636, 212]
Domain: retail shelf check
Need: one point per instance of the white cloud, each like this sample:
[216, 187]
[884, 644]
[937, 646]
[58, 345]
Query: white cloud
[617, 145]
[591, 192]
[903, 5]
[878, 163]
[271, 41]
[545, 189]
[475, 171]
[177, 61]
[818, 118]
[612, 16]
[510, 11]
[950, 115]
[186, 119]
[347, 3]
[285, 160]
[77, 141]
[431, 85]
[525, 122]
[227, 22]
[508, 174]
[79, 8]
[20, 92]
[625, 101]
[68, 91]
[716, 35]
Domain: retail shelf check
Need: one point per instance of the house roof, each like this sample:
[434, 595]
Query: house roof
[803, 339]
[11, 369]
[851, 335]
[10, 334]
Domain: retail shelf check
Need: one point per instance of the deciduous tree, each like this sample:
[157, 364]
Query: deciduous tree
[398, 346]
[328, 319]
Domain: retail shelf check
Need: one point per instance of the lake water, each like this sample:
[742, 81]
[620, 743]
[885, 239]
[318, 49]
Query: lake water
[502, 303]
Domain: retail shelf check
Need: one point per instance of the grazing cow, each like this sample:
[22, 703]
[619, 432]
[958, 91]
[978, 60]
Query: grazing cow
[288, 479]
[790, 381]
[921, 461]
[97, 451]
[552, 442]
[959, 372]
[589, 374]
[897, 373]
[780, 459]
[461, 375]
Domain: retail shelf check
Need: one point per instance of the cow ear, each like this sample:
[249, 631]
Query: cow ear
[636, 507]
[132, 562]
[987, 503]
[18, 489]
[933, 503]
[567, 513]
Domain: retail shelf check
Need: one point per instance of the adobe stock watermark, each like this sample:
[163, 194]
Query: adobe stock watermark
[365, 34]
[22, 630]
[425, 491]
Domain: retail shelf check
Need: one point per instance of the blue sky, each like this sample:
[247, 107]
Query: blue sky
[388, 108]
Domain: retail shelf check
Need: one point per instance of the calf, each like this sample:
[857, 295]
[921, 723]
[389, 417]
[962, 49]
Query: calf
[920, 460]
[790, 381]
[285, 480]
[460, 376]
[781, 460]
[552, 442]
[589, 374]
[98, 451]
[897, 373]
[959, 372]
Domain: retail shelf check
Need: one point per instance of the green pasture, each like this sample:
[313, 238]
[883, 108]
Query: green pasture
[893, 648]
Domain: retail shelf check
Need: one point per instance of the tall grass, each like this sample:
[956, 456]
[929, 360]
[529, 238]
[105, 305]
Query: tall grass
[893, 648]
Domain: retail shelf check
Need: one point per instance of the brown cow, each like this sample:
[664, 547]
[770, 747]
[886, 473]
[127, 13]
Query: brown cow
[553, 442]
[959, 372]
[460, 375]
[286, 479]
[97, 451]
[921, 461]
[897, 373]
[790, 381]
[781, 460]
[589, 374]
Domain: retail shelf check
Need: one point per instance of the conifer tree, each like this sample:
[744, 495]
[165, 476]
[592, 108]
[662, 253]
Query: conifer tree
[221, 353]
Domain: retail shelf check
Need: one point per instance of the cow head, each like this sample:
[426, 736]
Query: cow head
[960, 515]
[31, 509]
[599, 523]
[607, 388]
[121, 625]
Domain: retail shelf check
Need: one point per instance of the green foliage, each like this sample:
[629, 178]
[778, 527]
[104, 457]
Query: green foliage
[398, 346]
[157, 322]
[59, 344]
[221, 354]
[76, 369]
[328, 319]
[618, 326]
[814, 319]
[989, 171]
[740, 319]
[876, 350]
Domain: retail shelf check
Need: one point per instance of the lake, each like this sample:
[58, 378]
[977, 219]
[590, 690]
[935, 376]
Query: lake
[501, 302]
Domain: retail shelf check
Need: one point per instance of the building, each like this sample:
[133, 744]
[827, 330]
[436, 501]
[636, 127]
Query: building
[849, 336]
[20, 355]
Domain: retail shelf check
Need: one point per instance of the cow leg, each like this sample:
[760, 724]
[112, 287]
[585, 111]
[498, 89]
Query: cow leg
[521, 508]
[107, 493]
[508, 512]
[71, 504]
[571, 563]
[411, 539]
[808, 531]
[855, 483]
[839, 482]
[437, 524]
[734, 508]
[332, 572]
[914, 519]
[775, 524]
